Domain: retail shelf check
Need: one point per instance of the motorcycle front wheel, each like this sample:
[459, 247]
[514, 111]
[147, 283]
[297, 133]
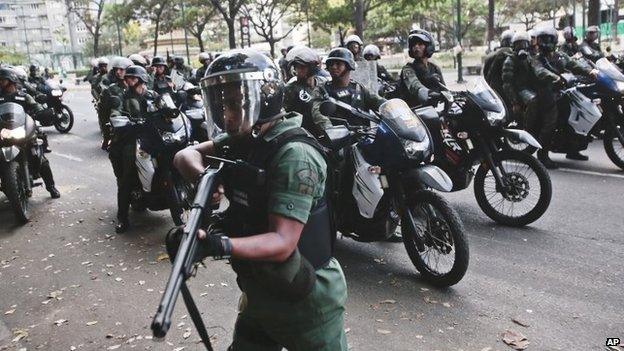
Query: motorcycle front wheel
[65, 121]
[434, 239]
[16, 189]
[613, 142]
[527, 192]
[181, 196]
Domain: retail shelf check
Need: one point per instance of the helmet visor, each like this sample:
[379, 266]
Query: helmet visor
[232, 107]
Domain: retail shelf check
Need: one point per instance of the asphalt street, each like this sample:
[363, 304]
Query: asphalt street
[68, 282]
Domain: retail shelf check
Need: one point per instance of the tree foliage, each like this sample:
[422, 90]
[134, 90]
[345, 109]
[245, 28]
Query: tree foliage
[229, 10]
[90, 14]
[266, 15]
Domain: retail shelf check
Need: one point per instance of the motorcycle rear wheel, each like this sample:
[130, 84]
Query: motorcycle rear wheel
[16, 190]
[437, 235]
[65, 123]
[613, 142]
[489, 196]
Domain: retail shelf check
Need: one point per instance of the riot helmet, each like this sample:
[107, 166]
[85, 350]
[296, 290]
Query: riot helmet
[138, 60]
[203, 56]
[341, 54]
[33, 69]
[102, 61]
[158, 61]
[506, 38]
[371, 52]
[241, 90]
[547, 38]
[304, 56]
[9, 74]
[569, 34]
[121, 63]
[592, 33]
[21, 73]
[353, 41]
[421, 36]
[521, 41]
[138, 72]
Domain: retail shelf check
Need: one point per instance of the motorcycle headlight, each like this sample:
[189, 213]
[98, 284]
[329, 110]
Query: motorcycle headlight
[17, 133]
[415, 149]
[495, 118]
[620, 85]
[56, 92]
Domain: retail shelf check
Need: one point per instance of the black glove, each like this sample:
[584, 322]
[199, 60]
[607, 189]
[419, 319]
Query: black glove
[214, 245]
[434, 96]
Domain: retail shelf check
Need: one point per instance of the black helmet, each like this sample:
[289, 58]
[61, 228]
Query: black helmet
[158, 61]
[569, 33]
[33, 68]
[138, 72]
[592, 33]
[420, 35]
[9, 74]
[178, 60]
[246, 81]
[342, 54]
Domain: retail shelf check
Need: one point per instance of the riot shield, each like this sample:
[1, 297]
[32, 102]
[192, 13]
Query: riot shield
[366, 74]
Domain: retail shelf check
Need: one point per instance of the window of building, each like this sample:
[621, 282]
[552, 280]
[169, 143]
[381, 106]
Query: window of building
[2, 19]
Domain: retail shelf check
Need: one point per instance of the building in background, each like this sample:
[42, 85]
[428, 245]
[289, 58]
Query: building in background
[43, 31]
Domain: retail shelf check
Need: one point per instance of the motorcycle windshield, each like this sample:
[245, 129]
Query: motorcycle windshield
[397, 114]
[52, 85]
[484, 96]
[607, 67]
[12, 115]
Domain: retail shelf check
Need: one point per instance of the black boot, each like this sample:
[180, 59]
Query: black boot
[122, 226]
[542, 155]
[54, 193]
[105, 144]
[576, 156]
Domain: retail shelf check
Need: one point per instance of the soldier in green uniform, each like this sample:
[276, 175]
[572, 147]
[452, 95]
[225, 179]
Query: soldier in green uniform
[570, 47]
[9, 92]
[354, 44]
[278, 235]
[205, 58]
[134, 103]
[519, 82]
[100, 81]
[108, 101]
[340, 63]
[298, 92]
[34, 77]
[162, 82]
[590, 48]
[420, 80]
[493, 65]
[549, 64]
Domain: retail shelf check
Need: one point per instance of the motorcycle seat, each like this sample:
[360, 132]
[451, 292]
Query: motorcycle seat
[427, 113]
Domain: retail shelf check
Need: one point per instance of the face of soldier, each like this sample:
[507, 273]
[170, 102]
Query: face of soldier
[131, 81]
[103, 69]
[592, 36]
[159, 70]
[336, 68]
[301, 71]
[119, 73]
[419, 49]
[233, 108]
[4, 84]
[354, 48]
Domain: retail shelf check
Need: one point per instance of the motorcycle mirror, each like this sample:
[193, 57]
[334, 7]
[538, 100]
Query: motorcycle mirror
[328, 108]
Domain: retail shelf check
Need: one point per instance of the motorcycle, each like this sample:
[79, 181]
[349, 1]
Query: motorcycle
[587, 109]
[511, 187]
[193, 107]
[18, 138]
[159, 135]
[380, 180]
[63, 118]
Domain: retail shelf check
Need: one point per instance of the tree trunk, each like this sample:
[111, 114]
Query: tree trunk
[614, 21]
[490, 29]
[96, 40]
[359, 18]
[200, 42]
[593, 13]
[272, 46]
[231, 32]
[156, 35]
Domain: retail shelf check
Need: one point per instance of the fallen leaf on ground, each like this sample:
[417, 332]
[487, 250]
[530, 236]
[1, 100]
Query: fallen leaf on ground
[114, 347]
[60, 322]
[162, 256]
[389, 302]
[187, 333]
[516, 340]
[520, 322]
[383, 331]
[446, 304]
[19, 334]
[92, 323]
[9, 312]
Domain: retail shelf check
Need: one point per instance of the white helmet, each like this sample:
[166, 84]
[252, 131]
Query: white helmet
[203, 56]
[507, 34]
[121, 62]
[353, 39]
[371, 50]
[94, 62]
[138, 59]
[518, 36]
[21, 72]
[102, 61]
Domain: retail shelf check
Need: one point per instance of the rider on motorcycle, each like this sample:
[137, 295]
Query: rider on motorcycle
[519, 82]
[549, 64]
[162, 82]
[354, 44]
[9, 92]
[123, 146]
[420, 80]
[493, 64]
[109, 98]
[34, 77]
[205, 58]
[570, 47]
[182, 69]
[298, 92]
[590, 48]
[340, 63]
[371, 53]
[100, 81]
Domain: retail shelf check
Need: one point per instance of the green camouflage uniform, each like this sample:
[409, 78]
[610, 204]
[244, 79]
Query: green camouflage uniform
[110, 99]
[417, 79]
[315, 322]
[298, 98]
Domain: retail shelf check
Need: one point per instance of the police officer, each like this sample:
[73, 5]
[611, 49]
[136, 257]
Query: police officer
[340, 63]
[493, 64]
[34, 77]
[549, 64]
[372, 53]
[298, 92]
[283, 64]
[100, 80]
[205, 58]
[162, 82]
[28, 87]
[420, 80]
[590, 47]
[570, 47]
[277, 234]
[122, 150]
[354, 44]
[111, 97]
[140, 60]
[180, 68]
[519, 82]
[533, 44]
[9, 92]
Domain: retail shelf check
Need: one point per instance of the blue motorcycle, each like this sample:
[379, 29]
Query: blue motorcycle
[382, 178]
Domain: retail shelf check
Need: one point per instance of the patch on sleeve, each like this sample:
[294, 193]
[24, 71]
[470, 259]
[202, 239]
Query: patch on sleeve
[307, 179]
